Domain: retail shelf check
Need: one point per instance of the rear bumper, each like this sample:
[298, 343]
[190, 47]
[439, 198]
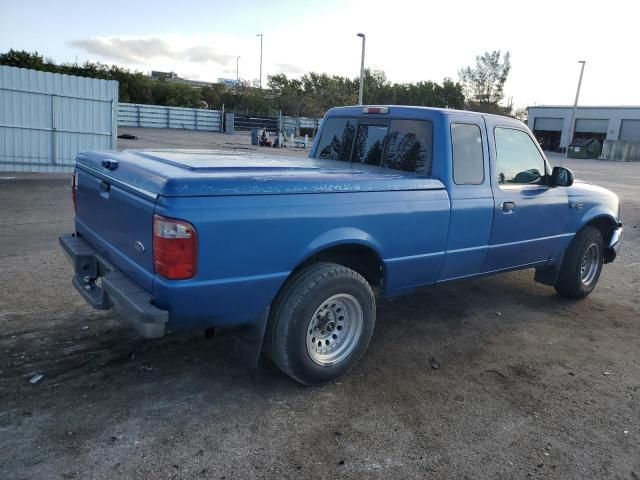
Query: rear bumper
[104, 287]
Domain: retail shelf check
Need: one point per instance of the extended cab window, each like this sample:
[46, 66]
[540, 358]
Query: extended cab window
[468, 161]
[337, 139]
[518, 161]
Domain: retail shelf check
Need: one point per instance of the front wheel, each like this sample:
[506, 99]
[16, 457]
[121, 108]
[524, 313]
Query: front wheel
[321, 323]
[582, 264]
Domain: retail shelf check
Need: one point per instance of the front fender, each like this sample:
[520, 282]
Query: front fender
[599, 212]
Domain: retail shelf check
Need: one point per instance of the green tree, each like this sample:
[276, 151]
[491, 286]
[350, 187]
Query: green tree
[311, 96]
[213, 95]
[24, 59]
[288, 94]
[484, 83]
[175, 95]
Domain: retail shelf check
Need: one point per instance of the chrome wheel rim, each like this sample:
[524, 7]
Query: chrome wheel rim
[590, 264]
[334, 329]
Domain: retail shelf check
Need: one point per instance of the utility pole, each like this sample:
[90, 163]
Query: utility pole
[237, 73]
[572, 126]
[260, 35]
[360, 94]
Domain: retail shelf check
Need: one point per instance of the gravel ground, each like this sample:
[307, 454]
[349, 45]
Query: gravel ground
[528, 386]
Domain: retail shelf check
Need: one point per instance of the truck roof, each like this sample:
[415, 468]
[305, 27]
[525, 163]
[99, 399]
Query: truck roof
[413, 112]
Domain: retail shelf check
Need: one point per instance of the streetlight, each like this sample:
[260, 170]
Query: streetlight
[260, 35]
[237, 73]
[360, 94]
[572, 126]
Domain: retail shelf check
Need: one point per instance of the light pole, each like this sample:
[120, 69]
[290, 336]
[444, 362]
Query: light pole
[572, 126]
[260, 35]
[237, 73]
[360, 94]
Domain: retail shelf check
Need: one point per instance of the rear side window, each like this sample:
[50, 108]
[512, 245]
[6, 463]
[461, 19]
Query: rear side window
[399, 144]
[337, 139]
[468, 160]
[409, 146]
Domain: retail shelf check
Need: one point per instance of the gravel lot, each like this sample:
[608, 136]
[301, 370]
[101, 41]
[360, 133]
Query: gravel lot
[167, 138]
[529, 385]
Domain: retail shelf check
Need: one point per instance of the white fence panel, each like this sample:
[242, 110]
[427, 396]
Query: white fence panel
[47, 118]
[292, 124]
[157, 116]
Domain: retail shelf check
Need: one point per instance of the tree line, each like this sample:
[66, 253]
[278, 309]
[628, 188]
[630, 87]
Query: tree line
[480, 87]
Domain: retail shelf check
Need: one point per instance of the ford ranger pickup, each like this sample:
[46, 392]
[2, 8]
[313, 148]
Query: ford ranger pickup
[290, 250]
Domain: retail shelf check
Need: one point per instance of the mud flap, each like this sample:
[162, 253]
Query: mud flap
[548, 275]
[249, 339]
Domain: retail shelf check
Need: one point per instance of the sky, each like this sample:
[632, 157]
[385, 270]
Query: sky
[409, 40]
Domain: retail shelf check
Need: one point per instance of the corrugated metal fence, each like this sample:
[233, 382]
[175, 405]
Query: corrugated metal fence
[47, 118]
[156, 116]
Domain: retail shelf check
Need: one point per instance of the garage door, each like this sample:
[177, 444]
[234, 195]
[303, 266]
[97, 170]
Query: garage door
[591, 125]
[548, 124]
[630, 130]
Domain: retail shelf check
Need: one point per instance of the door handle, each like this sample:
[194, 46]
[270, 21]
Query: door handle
[508, 207]
[105, 188]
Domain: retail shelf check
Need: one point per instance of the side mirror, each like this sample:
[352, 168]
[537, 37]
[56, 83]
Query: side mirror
[561, 177]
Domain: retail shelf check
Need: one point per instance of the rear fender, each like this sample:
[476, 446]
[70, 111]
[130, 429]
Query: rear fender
[337, 237]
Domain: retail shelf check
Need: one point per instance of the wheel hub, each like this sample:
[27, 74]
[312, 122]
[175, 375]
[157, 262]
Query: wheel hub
[334, 329]
[326, 324]
[590, 264]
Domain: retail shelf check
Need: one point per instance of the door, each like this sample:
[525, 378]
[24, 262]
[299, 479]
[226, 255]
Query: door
[471, 199]
[528, 215]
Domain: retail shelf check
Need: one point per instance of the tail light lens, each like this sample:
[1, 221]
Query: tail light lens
[175, 248]
[74, 190]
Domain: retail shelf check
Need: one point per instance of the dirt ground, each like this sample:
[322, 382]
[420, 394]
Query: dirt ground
[529, 385]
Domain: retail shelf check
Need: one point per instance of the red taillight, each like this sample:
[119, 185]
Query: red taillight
[175, 248]
[74, 190]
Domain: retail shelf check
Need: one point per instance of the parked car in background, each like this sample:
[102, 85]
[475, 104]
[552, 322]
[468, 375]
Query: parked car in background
[291, 250]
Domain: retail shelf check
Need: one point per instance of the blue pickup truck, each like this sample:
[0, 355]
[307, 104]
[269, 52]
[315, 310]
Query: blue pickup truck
[291, 250]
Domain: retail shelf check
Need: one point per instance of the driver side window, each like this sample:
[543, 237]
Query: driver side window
[518, 161]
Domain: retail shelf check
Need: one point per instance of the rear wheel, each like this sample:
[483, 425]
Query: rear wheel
[582, 264]
[321, 323]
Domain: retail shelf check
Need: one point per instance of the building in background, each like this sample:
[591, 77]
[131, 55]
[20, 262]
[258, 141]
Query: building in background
[172, 77]
[228, 82]
[616, 128]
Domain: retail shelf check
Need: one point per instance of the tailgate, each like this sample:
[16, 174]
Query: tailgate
[117, 220]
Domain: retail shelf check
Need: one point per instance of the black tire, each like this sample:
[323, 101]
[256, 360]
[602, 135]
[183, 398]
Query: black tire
[570, 282]
[299, 302]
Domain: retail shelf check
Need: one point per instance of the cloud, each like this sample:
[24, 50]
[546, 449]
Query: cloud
[204, 53]
[290, 68]
[142, 50]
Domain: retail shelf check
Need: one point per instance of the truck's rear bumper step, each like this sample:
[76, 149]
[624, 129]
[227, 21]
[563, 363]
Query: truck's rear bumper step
[103, 287]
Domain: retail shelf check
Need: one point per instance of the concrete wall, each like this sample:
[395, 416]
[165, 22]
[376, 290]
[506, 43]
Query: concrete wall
[614, 115]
